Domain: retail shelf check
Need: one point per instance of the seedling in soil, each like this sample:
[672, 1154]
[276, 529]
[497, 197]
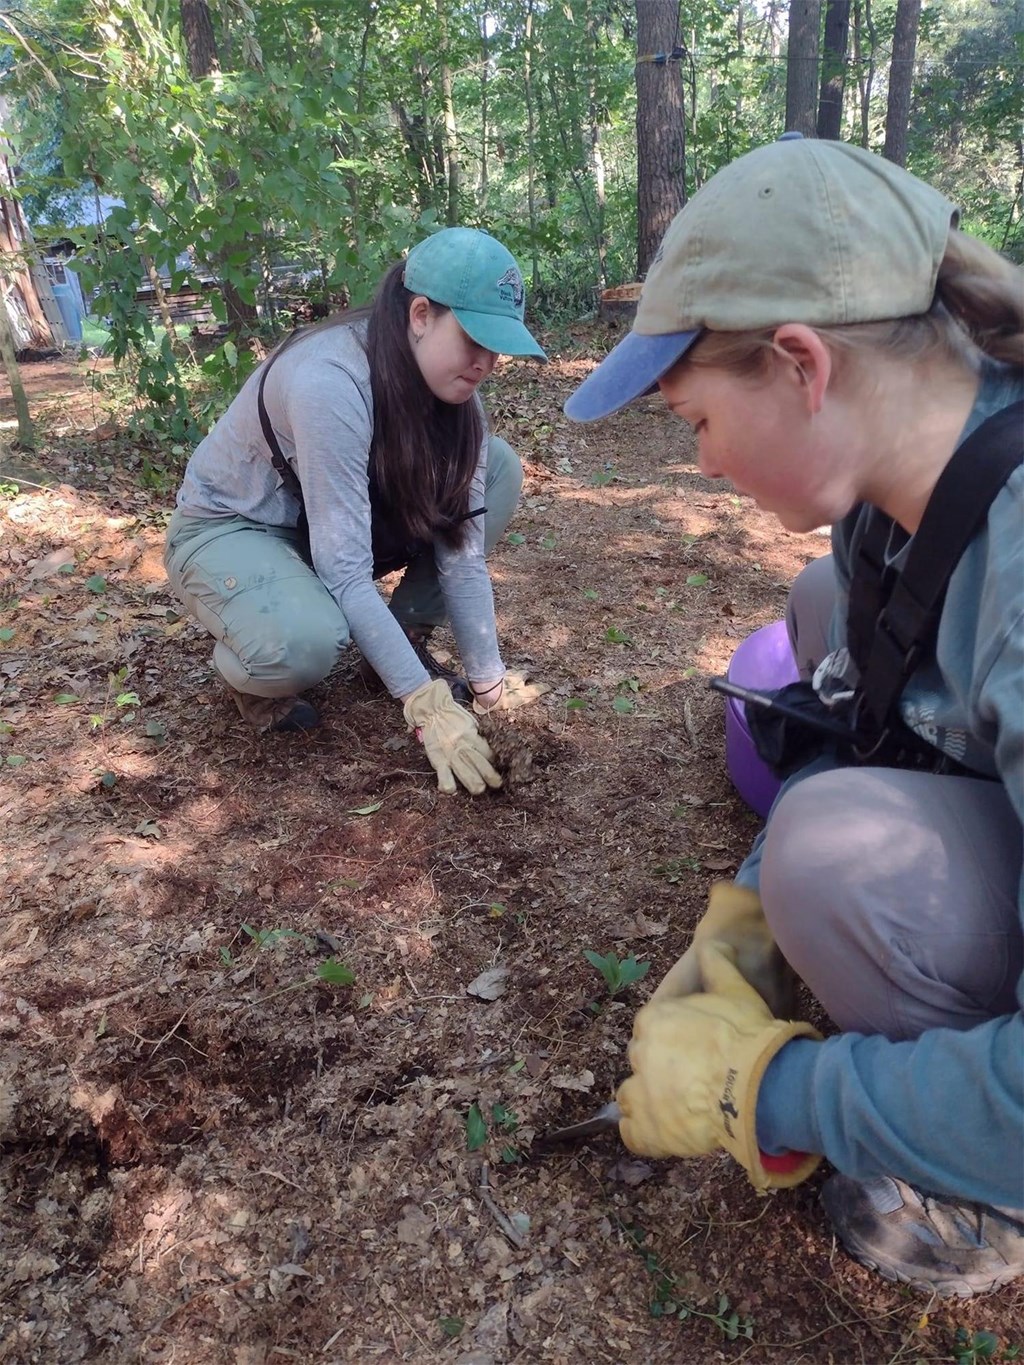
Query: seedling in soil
[614, 636]
[668, 1302]
[504, 1121]
[674, 869]
[971, 1347]
[617, 974]
[451, 1327]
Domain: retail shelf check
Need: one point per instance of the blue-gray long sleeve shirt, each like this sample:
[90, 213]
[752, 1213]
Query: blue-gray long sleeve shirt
[944, 1111]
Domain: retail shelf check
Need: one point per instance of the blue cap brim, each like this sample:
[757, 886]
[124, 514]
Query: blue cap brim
[504, 336]
[629, 371]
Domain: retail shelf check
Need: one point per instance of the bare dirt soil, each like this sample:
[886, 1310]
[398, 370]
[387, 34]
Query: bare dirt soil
[213, 1154]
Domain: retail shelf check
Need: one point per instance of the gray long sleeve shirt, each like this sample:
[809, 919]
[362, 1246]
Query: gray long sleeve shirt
[318, 399]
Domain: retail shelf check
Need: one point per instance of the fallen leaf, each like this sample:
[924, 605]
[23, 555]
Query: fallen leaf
[584, 1081]
[489, 985]
[629, 1171]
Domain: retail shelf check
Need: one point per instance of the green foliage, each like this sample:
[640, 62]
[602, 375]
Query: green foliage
[617, 974]
[318, 144]
[669, 1300]
[476, 1128]
[504, 1122]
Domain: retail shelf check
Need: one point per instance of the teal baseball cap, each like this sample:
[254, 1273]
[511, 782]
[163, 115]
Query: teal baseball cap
[471, 273]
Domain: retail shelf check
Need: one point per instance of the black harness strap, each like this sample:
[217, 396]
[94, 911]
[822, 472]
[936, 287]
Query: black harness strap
[391, 550]
[286, 473]
[894, 616]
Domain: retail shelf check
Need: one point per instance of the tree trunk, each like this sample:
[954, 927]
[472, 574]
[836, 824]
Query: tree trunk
[802, 67]
[201, 52]
[863, 25]
[451, 139]
[596, 153]
[485, 133]
[660, 128]
[200, 41]
[901, 78]
[833, 69]
[26, 436]
[531, 150]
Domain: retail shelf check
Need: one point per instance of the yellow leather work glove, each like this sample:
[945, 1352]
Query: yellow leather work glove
[697, 1066]
[735, 917]
[454, 745]
[513, 693]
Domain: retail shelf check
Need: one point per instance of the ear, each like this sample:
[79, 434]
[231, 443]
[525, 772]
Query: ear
[419, 313]
[811, 361]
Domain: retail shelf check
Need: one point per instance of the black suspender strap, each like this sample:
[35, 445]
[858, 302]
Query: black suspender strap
[285, 472]
[905, 607]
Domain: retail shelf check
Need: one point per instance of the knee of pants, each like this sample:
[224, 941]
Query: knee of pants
[815, 888]
[293, 654]
[809, 613]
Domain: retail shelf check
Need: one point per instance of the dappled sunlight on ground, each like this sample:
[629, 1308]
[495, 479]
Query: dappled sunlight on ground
[218, 1153]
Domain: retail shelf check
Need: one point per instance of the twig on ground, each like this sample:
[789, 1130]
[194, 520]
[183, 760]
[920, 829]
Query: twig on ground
[502, 1219]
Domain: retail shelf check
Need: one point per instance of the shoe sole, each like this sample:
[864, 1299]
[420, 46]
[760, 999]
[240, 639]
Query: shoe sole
[946, 1289]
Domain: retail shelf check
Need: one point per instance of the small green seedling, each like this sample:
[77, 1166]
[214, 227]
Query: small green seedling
[971, 1347]
[451, 1327]
[668, 1301]
[696, 580]
[504, 1121]
[614, 636]
[674, 869]
[476, 1128]
[617, 974]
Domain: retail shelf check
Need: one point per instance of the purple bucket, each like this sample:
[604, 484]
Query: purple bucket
[764, 661]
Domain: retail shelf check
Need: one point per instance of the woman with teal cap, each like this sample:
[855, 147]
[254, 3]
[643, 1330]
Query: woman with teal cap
[357, 448]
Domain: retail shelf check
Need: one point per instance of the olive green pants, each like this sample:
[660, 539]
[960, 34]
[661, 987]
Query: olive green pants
[278, 631]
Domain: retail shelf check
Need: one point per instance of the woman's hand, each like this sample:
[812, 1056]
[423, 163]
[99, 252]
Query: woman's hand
[507, 694]
[697, 1063]
[453, 744]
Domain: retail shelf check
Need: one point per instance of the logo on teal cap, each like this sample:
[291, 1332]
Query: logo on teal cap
[511, 288]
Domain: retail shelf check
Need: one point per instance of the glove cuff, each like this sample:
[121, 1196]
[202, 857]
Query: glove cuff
[426, 702]
[737, 1108]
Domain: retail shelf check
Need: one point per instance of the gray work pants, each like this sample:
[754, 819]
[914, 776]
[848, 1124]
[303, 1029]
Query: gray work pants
[893, 894]
[278, 630]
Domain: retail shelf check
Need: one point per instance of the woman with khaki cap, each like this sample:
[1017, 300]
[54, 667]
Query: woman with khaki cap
[358, 448]
[847, 356]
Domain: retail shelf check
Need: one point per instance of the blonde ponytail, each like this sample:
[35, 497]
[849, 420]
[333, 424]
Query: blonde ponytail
[985, 294]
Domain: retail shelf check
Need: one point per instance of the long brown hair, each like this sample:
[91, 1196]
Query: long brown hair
[424, 452]
[978, 310]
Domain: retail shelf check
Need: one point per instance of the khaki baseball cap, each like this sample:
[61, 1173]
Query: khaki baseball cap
[800, 230]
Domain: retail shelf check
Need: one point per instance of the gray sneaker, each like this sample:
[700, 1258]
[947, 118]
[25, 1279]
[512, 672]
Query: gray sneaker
[938, 1245]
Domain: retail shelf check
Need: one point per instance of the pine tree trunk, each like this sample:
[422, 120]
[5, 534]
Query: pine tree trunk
[451, 139]
[660, 128]
[833, 69]
[802, 67]
[901, 80]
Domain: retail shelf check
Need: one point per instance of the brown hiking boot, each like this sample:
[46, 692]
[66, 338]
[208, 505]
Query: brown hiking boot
[280, 714]
[418, 637]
